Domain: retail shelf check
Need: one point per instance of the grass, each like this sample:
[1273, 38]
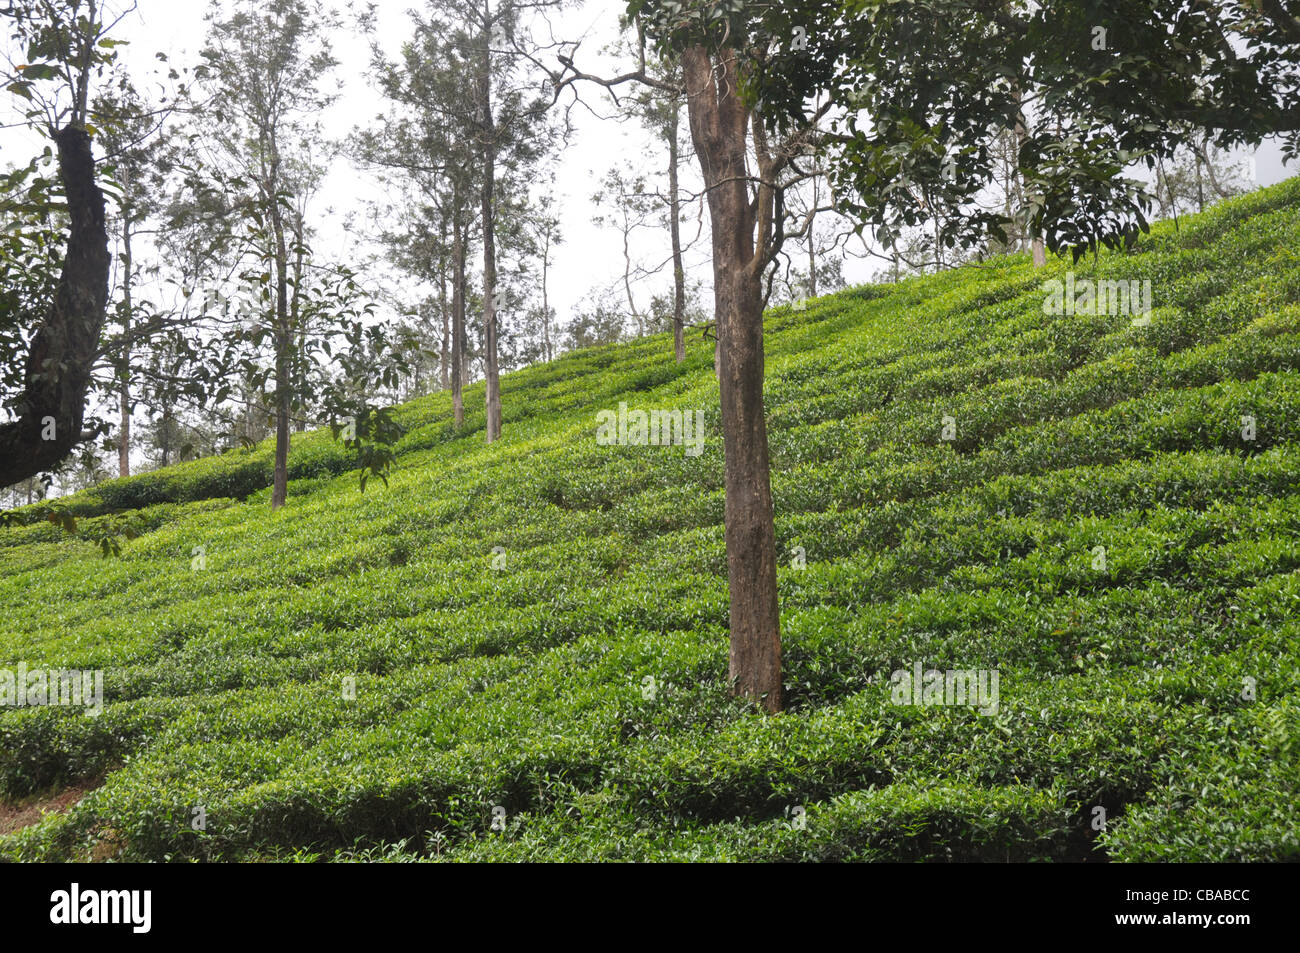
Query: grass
[361, 677]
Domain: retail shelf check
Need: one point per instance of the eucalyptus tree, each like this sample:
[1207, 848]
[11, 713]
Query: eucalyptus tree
[504, 114]
[659, 108]
[422, 148]
[134, 139]
[547, 235]
[265, 66]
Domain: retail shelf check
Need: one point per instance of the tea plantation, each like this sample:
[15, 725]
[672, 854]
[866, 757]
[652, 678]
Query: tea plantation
[519, 651]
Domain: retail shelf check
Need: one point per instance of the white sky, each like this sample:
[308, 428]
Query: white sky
[589, 257]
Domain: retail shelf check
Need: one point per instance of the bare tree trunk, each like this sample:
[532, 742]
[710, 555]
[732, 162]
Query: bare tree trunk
[812, 244]
[299, 369]
[458, 317]
[1209, 169]
[1200, 186]
[719, 124]
[283, 343]
[51, 409]
[488, 198]
[444, 264]
[627, 277]
[124, 370]
[675, 231]
[1039, 251]
[444, 371]
[492, 398]
[546, 304]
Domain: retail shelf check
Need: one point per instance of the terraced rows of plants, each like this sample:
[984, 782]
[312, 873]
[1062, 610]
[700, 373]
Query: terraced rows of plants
[539, 627]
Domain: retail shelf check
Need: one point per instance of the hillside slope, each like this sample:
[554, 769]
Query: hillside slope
[519, 651]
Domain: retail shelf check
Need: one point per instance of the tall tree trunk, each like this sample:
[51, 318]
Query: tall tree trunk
[295, 313]
[124, 369]
[1039, 251]
[675, 231]
[719, 124]
[443, 370]
[1200, 185]
[458, 316]
[546, 303]
[627, 277]
[51, 409]
[812, 244]
[488, 211]
[283, 338]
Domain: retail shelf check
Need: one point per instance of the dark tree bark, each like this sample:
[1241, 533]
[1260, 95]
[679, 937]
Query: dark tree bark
[65, 346]
[719, 122]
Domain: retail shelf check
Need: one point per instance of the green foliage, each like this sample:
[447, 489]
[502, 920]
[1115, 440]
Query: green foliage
[928, 90]
[539, 625]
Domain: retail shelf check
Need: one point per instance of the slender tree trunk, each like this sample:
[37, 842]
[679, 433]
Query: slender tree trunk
[295, 313]
[719, 124]
[443, 356]
[165, 444]
[1204, 151]
[283, 345]
[546, 304]
[492, 397]
[1039, 251]
[1200, 186]
[458, 316]
[124, 373]
[627, 277]
[675, 231]
[488, 211]
[812, 243]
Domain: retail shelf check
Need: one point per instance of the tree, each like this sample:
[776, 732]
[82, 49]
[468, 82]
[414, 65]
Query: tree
[1195, 173]
[546, 234]
[66, 47]
[132, 139]
[599, 323]
[265, 63]
[659, 108]
[1087, 87]
[506, 121]
[632, 208]
[723, 47]
[422, 143]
